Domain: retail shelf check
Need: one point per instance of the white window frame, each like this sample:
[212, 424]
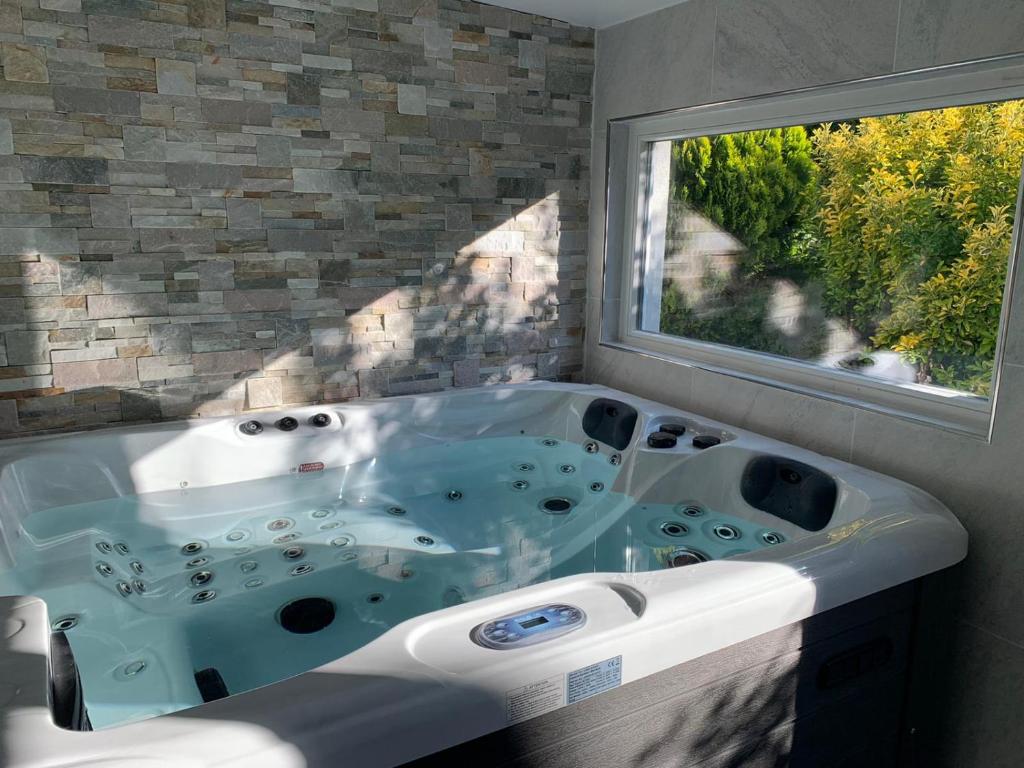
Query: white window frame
[628, 235]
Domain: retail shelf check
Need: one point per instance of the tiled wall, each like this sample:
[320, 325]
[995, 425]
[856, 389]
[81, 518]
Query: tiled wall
[970, 652]
[209, 206]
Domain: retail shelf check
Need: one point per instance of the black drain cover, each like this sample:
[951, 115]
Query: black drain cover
[305, 616]
[211, 685]
[557, 505]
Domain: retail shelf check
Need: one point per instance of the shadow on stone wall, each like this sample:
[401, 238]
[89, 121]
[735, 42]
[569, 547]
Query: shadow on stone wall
[257, 206]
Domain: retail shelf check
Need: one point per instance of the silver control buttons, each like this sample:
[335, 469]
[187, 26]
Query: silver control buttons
[536, 625]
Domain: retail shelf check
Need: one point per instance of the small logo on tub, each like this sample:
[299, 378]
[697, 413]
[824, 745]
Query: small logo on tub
[312, 466]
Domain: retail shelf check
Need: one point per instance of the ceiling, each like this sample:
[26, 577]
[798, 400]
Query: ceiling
[587, 13]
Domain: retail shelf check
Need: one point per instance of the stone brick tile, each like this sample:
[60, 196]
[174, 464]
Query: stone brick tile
[27, 347]
[24, 63]
[177, 78]
[114, 373]
[266, 392]
[17, 241]
[127, 305]
[65, 170]
[466, 372]
[257, 300]
[208, 363]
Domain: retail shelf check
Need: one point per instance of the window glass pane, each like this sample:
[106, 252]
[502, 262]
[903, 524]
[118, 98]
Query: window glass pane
[878, 245]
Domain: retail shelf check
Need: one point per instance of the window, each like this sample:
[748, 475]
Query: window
[855, 241]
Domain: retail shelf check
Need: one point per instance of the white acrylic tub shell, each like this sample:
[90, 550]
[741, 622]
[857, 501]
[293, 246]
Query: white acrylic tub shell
[423, 685]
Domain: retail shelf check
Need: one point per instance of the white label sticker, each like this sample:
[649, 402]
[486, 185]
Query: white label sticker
[535, 699]
[594, 679]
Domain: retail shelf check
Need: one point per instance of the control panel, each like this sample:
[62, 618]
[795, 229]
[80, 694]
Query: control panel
[536, 625]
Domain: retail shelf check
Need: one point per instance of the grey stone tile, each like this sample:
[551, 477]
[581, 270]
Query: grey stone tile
[273, 151]
[360, 216]
[349, 120]
[448, 129]
[204, 176]
[316, 180]
[177, 240]
[176, 78]
[6, 137]
[232, 112]
[140, 405]
[373, 382]
[466, 373]
[27, 347]
[111, 30]
[243, 214]
[683, 34]
[934, 32]
[26, 241]
[210, 363]
[110, 211]
[265, 48]
[458, 217]
[412, 99]
[480, 73]
[532, 54]
[65, 170]
[258, 300]
[303, 89]
[95, 101]
[171, 339]
[778, 45]
[165, 368]
[127, 305]
[300, 240]
[143, 142]
[385, 158]
[207, 13]
[437, 42]
[79, 278]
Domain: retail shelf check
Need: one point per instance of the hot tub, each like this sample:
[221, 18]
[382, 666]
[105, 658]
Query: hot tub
[371, 583]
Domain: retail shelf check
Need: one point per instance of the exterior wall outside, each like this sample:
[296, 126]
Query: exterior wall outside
[208, 206]
[971, 656]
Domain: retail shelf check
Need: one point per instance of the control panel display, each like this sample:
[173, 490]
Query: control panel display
[536, 625]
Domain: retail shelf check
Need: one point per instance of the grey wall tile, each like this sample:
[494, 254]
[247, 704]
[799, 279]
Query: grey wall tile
[778, 45]
[630, 75]
[945, 31]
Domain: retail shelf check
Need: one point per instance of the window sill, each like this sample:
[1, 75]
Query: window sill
[952, 412]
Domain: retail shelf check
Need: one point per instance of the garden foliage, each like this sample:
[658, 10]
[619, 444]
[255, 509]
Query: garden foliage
[903, 224]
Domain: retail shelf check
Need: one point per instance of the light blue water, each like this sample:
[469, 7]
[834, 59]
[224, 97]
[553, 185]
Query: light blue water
[384, 541]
